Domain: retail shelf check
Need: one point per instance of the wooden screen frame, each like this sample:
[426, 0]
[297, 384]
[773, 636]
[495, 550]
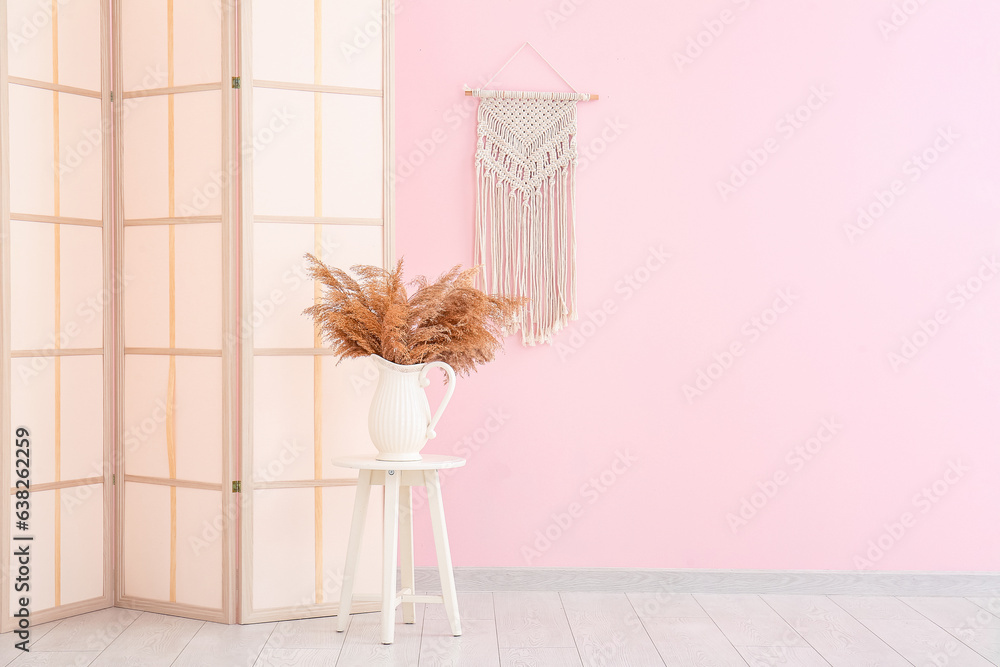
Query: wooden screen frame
[5, 425]
[109, 273]
[230, 329]
[247, 353]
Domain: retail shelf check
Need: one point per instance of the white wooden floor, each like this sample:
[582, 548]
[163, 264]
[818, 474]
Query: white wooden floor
[555, 630]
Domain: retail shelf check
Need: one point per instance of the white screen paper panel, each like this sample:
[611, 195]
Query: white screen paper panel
[283, 42]
[33, 285]
[67, 562]
[328, 164]
[179, 179]
[285, 533]
[68, 445]
[146, 170]
[199, 553]
[155, 543]
[319, 138]
[146, 551]
[195, 443]
[196, 286]
[71, 185]
[146, 303]
[29, 47]
[284, 428]
[283, 419]
[352, 156]
[44, 549]
[81, 419]
[284, 540]
[82, 298]
[81, 541]
[80, 166]
[356, 28]
[79, 43]
[149, 26]
[33, 169]
[33, 26]
[284, 166]
[33, 400]
[61, 400]
[348, 388]
[350, 36]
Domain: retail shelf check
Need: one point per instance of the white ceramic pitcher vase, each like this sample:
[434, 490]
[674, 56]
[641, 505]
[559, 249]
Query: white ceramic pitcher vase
[400, 421]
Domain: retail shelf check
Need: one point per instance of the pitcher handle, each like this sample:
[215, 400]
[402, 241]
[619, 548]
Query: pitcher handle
[449, 390]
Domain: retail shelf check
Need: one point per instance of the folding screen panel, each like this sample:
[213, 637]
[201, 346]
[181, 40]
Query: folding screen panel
[176, 526]
[122, 350]
[316, 119]
[55, 321]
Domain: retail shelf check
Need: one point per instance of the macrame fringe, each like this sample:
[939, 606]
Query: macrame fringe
[526, 209]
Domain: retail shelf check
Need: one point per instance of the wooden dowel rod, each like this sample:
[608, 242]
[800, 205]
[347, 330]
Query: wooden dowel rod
[593, 96]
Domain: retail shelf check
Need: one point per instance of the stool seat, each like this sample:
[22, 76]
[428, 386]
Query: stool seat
[429, 462]
[397, 529]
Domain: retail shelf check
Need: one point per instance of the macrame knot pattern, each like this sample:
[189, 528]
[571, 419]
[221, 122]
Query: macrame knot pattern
[526, 207]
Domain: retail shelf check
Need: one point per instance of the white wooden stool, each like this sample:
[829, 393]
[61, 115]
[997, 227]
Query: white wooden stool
[398, 477]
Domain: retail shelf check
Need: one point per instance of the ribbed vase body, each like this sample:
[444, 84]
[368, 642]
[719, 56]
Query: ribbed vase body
[400, 420]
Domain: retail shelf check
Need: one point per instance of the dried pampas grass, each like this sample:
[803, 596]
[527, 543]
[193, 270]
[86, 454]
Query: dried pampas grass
[446, 320]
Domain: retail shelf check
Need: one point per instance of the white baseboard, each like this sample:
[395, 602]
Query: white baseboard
[794, 582]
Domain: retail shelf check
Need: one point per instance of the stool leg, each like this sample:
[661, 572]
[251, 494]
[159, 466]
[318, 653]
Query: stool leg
[443, 551]
[406, 553]
[390, 524]
[353, 547]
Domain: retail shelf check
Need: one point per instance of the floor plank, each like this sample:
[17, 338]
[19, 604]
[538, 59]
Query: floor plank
[782, 656]
[218, 645]
[87, 632]
[297, 657]
[308, 633]
[474, 606]
[363, 641]
[925, 644]
[9, 653]
[952, 612]
[607, 630]
[151, 640]
[540, 657]
[991, 605]
[477, 645]
[666, 605]
[746, 620]
[876, 608]
[692, 642]
[56, 659]
[984, 641]
[836, 635]
[532, 620]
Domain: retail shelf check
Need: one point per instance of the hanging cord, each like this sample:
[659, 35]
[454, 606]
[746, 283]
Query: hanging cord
[575, 95]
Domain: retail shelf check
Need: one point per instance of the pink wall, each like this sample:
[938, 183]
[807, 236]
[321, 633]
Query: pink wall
[813, 307]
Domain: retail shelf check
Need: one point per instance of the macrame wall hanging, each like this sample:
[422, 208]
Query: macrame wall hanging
[526, 201]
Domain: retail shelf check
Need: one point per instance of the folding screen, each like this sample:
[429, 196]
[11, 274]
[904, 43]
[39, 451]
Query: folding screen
[152, 288]
[177, 518]
[55, 321]
[316, 120]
